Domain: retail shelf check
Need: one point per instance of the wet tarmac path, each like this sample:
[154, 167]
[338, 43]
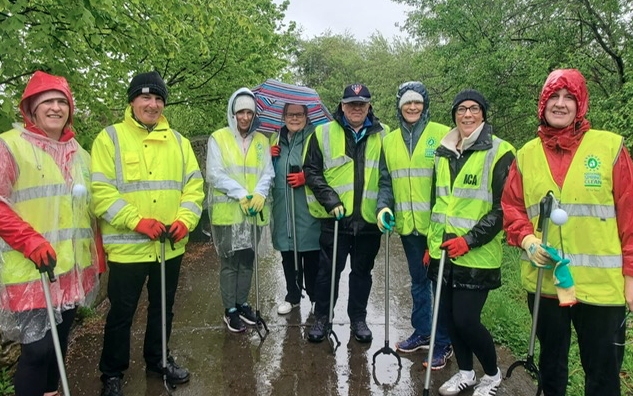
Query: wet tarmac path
[224, 363]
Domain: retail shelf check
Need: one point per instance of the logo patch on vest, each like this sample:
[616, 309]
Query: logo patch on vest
[593, 178]
[259, 150]
[430, 148]
[470, 180]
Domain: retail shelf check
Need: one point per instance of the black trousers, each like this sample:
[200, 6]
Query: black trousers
[37, 370]
[597, 328]
[362, 250]
[124, 290]
[308, 270]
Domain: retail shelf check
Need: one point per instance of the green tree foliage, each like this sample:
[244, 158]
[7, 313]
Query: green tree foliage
[203, 49]
[506, 49]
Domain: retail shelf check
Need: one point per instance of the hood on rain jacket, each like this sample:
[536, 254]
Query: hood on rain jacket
[489, 225]
[327, 197]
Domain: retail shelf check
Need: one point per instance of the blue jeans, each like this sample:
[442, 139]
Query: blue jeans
[421, 293]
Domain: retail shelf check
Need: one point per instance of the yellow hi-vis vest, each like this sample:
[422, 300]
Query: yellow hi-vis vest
[411, 177]
[42, 198]
[338, 170]
[458, 209]
[590, 236]
[225, 210]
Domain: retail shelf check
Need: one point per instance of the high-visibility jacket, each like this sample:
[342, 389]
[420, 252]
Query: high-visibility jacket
[590, 236]
[246, 170]
[338, 170]
[459, 208]
[136, 174]
[412, 176]
[42, 198]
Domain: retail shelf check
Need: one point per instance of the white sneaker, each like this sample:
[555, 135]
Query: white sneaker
[312, 308]
[285, 307]
[488, 385]
[460, 381]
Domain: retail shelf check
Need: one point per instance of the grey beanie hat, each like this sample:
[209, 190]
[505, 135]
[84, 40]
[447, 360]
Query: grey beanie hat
[470, 94]
[144, 83]
[244, 102]
[410, 96]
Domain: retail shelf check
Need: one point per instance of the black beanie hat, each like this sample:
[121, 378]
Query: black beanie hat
[470, 94]
[147, 83]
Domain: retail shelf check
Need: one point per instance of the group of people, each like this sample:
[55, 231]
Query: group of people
[64, 211]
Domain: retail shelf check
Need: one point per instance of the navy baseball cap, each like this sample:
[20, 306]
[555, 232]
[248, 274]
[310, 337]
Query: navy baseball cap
[356, 93]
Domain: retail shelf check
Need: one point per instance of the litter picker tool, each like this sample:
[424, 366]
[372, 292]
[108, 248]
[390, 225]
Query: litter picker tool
[163, 308]
[260, 324]
[436, 311]
[295, 169]
[386, 350]
[545, 206]
[331, 335]
[47, 272]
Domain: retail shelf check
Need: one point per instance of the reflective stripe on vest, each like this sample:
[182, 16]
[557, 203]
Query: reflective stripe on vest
[459, 210]
[411, 177]
[591, 239]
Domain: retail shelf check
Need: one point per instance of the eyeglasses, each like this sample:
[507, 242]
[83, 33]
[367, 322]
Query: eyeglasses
[357, 104]
[295, 115]
[474, 109]
[627, 323]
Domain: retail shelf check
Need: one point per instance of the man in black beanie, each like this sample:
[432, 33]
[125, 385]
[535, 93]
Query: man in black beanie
[146, 182]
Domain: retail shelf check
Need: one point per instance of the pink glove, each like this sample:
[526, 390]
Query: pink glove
[150, 227]
[456, 247]
[296, 179]
[177, 231]
[427, 258]
[275, 150]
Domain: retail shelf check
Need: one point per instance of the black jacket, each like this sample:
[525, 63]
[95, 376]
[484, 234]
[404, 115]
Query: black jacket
[487, 227]
[313, 170]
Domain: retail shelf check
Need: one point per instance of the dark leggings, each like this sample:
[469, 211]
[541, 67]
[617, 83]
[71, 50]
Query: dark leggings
[468, 336]
[37, 370]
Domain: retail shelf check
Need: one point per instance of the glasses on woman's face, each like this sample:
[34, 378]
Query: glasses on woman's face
[474, 109]
[295, 115]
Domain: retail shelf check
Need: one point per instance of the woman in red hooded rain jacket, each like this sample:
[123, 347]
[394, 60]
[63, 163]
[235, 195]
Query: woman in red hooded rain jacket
[591, 176]
[45, 224]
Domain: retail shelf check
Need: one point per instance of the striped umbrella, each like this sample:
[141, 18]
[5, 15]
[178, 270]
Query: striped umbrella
[272, 95]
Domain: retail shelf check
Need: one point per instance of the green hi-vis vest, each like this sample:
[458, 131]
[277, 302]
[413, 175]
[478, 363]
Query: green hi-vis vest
[457, 210]
[42, 198]
[245, 170]
[338, 170]
[411, 177]
[590, 236]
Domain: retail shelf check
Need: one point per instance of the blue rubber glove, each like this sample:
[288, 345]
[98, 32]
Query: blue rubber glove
[562, 275]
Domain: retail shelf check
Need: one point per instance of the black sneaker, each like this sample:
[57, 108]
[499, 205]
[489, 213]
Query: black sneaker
[318, 329]
[112, 387]
[246, 314]
[361, 331]
[233, 321]
[175, 373]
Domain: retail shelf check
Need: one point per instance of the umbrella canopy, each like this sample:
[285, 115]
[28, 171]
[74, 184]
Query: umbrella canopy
[272, 95]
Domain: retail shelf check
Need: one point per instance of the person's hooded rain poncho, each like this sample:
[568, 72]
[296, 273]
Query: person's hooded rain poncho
[226, 165]
[44, 196]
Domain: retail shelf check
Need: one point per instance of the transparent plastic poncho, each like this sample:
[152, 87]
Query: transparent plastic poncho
[57, 204]
[227, 176]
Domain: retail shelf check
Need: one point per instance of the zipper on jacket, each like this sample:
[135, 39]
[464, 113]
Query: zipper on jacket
[286, 190]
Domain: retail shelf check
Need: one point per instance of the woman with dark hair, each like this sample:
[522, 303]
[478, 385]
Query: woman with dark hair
[471, 166]
[288, 148]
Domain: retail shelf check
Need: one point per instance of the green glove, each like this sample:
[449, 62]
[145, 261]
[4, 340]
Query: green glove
[562, 275]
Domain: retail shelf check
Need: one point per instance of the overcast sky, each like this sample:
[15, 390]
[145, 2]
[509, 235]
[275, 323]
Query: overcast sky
[360, 17]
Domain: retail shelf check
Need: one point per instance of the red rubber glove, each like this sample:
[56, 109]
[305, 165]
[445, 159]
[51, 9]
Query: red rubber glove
[456, 247]
[44, 256]
[275, 150]
[101, 256]
[150, 227]
[296, 179]
[177, 231]
[427, 258]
